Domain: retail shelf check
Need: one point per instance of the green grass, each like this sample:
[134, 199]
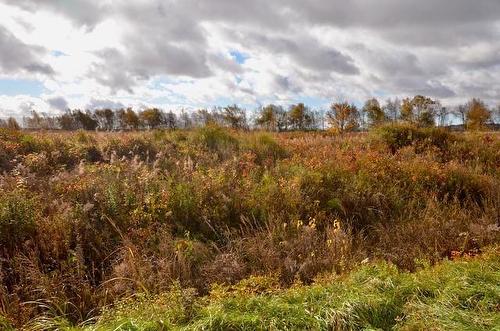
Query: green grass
[454, 295]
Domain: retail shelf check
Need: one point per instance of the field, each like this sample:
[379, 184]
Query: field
[212, 228]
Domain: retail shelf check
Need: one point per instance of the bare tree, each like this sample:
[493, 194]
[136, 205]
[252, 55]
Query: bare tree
[495, 115]
[235, 117]
[392, 109]
[171, 120]
[461, 112]
[105, 118]
[185, 120]
[11, 123]
[442, 114]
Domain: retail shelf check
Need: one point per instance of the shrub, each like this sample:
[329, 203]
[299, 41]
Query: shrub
[216, 139]
[401, 135]
[265, 148]
[466, 187]
[84, 138]
[397, 136]
[18, 215]
[183, 203]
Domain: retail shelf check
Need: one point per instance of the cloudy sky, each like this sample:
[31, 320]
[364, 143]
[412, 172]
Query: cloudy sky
[56, 54]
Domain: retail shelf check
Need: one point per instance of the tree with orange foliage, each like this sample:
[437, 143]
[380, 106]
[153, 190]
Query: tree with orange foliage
[151, 117]
[477, 114]
[128, 119]
[407, 110]
[343, 117]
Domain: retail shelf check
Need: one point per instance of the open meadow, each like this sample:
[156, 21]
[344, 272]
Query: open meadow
[213, 228]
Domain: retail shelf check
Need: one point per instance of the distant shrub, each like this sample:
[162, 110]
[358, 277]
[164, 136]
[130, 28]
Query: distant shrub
[160, 135]
[17, 218]
[397, 136]
[84, 138]
[216, 139]
[438, 137]
[479, 151]
[265, 147]
[30, 144]
[93, 154]
[401, 135]
[55, 151]
[38, 163]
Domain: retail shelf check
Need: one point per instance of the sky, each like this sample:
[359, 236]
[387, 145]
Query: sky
[190, 54]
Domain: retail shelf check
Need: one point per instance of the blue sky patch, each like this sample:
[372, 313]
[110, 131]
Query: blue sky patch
[314, 102]
[57, 53]
[380, 94]
[239, 57]
[13, 87]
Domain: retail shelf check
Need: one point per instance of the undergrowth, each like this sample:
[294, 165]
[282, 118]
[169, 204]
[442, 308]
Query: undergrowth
[454, 295]
[88, 219]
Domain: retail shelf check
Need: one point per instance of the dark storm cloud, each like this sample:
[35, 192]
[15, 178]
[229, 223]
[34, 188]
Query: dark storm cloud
[398, 63]
[104, 103]
[58, 103]
[439, 24]
[91, 12]
[16, 56]
[284, 84]
[82, 12]
[434, 89]
[383, 14]
[123, 70]
[110, 71]
[356, 13]
[150, 57]
[306, 51]
[419, 22]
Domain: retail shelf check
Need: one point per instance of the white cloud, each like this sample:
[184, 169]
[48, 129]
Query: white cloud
[177, 53]
[20, 105]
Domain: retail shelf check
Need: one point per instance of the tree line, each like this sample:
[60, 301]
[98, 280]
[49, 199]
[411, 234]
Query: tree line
[340, 117]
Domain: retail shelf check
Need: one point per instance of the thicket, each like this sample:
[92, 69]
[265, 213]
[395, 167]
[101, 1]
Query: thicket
[88, 219]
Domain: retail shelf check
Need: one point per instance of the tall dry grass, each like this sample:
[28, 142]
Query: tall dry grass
[89, 218]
